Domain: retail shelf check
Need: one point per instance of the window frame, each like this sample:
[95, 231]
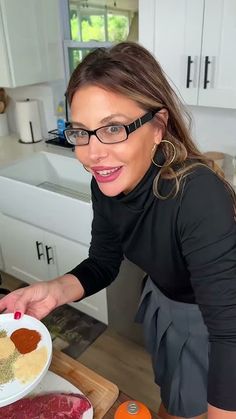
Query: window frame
[79, 45]
[67, 43]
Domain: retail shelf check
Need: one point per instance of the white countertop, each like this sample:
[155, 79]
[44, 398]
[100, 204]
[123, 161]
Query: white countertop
[11, 149]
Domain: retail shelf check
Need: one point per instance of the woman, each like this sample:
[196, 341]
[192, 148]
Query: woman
[159, 202]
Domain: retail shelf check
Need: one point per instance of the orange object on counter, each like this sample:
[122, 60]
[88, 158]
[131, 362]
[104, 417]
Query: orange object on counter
[132, 409]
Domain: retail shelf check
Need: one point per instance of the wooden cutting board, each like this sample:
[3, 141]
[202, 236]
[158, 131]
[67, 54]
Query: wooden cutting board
[101, 392]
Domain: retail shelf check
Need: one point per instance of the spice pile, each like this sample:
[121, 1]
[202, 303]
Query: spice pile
[8, 355]
[25, 340]
[19, 357]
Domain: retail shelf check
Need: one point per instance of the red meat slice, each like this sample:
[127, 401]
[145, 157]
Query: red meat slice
[47, 406]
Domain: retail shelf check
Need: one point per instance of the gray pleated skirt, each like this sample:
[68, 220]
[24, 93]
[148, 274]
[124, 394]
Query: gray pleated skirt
[177, 339]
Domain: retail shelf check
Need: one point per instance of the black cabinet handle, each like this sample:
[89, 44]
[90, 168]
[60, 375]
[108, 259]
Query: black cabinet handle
[38, 245]
[188, 80]
[49, 258]
[206, 81]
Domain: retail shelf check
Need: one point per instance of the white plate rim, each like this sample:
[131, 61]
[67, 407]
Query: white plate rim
[30, 322]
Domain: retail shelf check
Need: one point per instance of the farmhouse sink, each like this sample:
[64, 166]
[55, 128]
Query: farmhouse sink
[58, 173]
[48, 190]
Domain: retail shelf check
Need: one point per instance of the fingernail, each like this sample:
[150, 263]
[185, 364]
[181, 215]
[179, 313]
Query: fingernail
[17, 315]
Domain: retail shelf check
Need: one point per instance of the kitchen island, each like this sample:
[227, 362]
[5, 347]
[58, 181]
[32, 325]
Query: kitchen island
[36, 180]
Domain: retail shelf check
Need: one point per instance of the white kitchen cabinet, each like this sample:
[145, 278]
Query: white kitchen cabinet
[33, 254]
[146, 23]
[194, 44]
[218, 47]
[30, 42]
[70, 254]
[178, 44]
[23, 251]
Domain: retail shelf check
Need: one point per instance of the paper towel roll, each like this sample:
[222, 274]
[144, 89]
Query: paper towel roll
[28, 121]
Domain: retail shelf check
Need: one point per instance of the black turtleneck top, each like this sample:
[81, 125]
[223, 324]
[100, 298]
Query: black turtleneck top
[187, 245]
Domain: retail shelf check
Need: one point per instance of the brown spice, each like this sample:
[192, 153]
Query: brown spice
[25, 340]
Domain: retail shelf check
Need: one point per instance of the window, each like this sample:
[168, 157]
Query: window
[97, 23]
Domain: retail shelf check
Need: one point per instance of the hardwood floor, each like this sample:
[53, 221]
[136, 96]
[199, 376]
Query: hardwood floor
[126, 364]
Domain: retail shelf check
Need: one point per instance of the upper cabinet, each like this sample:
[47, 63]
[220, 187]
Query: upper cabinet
[194, 43]
[177, 44]
[218, 69]
[30, 42]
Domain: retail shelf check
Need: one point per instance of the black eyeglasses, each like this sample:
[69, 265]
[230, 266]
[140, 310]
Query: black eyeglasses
[109, 134]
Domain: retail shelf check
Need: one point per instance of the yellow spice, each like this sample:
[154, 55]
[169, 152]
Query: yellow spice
[28, 366]
[7, 348]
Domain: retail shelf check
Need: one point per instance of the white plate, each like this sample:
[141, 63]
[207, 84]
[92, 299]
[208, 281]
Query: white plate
[52, 382]
[15, 390]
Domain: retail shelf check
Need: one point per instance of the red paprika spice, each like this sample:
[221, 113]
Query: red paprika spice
[25, 340]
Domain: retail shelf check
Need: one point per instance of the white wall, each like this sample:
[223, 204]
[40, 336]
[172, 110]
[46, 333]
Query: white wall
[214, 129]
[48, 96]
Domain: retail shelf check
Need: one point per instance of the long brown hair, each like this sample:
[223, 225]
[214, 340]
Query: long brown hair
[129, 69]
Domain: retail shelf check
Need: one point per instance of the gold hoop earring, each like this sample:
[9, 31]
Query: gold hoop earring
[154, 152]
[85, 168]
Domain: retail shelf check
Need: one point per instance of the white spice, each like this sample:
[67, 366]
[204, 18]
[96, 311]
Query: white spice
[29, 365]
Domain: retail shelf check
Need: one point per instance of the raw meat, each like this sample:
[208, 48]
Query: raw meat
[47, 406]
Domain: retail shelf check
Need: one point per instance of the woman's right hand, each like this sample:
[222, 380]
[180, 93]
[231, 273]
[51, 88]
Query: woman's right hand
[40, 299]
[36, 300]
